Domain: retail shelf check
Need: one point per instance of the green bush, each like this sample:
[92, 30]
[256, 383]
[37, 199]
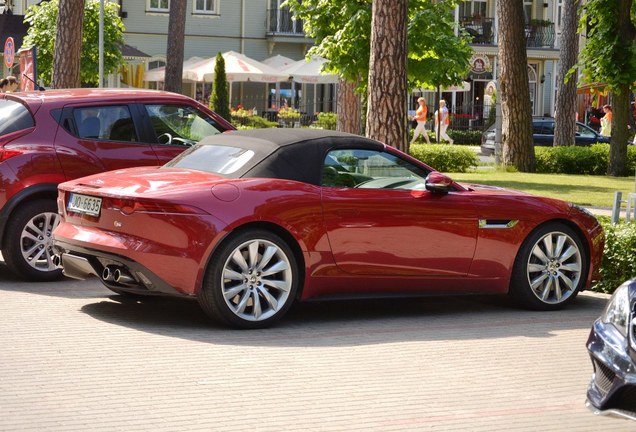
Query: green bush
[590, 160]
[469, 137]
[327, 120]
[619, 256]
[445, 158]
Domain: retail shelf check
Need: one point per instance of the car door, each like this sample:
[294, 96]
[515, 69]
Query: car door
[380, 219]
[99, 137]
[172, 127]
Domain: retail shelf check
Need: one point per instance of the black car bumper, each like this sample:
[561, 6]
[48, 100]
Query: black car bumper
[612, 390]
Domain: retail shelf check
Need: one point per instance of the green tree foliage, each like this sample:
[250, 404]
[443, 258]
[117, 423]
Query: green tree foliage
[219, 100]
[609, 57]
[42, 19]
[342, 31]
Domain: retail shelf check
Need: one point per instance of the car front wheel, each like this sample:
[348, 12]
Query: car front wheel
[550, 269]
[251, 280]
[28, 247]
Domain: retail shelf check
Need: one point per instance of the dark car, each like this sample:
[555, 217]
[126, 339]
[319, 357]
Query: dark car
[50, 137]
[543, 135]
[612, 348]
[252, 221]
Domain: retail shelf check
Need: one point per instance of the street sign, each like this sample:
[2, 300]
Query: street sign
[9, 52]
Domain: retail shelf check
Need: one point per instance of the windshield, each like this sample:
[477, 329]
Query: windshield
[213, 158]
[14, 117]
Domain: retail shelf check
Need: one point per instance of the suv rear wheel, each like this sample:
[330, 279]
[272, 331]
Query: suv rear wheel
[28, 249]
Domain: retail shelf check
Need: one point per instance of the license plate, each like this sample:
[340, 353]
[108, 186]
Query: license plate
[84, 204]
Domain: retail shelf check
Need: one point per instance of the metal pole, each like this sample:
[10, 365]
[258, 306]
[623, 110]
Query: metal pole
[101, 43]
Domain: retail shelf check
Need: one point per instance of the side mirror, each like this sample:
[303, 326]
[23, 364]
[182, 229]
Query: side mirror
[437, 182]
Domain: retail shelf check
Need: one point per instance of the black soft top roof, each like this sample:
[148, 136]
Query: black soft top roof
[288, 153]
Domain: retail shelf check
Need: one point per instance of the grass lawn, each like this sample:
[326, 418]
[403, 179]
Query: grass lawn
[594, 191]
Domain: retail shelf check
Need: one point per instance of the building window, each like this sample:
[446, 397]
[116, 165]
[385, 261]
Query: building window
[527, 10]
[206, 7]
[159, 5]
[281, 20]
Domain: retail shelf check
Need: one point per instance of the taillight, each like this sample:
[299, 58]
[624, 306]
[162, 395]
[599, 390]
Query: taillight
[130, 206]
[7, 153]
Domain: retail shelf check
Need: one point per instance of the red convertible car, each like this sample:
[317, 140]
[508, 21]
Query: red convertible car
[249, 222]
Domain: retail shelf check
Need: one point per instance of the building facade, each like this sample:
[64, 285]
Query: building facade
[263, 28]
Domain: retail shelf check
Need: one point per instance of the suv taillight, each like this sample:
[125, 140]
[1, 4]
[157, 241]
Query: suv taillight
[7, 153]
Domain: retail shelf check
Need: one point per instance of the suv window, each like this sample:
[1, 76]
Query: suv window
[14, 117]
[537, 127]
[112, 123]
[179, 124]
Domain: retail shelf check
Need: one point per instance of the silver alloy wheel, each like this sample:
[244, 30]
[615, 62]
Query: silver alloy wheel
[554, 267]
[36, 241]
[256, 280]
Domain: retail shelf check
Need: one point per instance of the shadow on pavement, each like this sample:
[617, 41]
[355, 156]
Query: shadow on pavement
[350, 323]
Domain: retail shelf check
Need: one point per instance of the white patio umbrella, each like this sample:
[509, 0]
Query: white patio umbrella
[159, 74]
[310, 72]
[238, 67]
[278, 61]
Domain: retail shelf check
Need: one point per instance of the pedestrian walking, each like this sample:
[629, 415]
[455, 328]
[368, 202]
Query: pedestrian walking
[11, 84]
[442, 120]
[606, 121]
[420, 117]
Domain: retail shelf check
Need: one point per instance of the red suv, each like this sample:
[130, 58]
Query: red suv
[49, 137]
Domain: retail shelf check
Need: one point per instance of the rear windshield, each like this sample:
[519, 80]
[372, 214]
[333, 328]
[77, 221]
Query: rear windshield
[213, 158]
[14, 117]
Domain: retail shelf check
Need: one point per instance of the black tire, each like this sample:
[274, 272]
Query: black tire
[255, 298]
[550, 269]
[28, 244]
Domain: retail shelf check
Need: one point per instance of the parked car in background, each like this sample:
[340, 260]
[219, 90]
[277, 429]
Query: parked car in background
[612, 348]
[50, 137]
[252, 221]
[543, 135]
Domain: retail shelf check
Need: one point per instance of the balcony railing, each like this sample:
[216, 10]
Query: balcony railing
[482, 30]
[540, 34]
[280, 22]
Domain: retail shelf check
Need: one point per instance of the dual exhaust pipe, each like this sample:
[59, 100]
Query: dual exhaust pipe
[80, 268]
[117, 275]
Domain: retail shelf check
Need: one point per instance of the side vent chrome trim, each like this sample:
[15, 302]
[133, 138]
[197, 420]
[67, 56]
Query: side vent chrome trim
[498, 224]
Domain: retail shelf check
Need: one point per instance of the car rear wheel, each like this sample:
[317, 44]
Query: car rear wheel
[251, 280]
[28, 248]
[550, 269]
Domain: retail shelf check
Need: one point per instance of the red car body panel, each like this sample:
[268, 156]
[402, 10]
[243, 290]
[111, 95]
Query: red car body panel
[173, 248]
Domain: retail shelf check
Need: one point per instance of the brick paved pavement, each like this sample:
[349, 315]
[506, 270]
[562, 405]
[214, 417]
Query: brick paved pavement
[73, 359]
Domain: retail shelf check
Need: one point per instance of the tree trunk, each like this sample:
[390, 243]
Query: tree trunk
[68, 45]
[618, 145]
[349, 108]
[516, 130]
[387, 90]
[176, 42]
[565, 130]
[621, 111]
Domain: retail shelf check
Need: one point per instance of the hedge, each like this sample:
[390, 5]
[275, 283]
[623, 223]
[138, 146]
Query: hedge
[445, 158]
[592, 160]
[619, 257]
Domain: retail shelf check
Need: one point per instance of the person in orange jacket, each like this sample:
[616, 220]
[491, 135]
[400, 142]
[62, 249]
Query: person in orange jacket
[442, 120]
[420, 117]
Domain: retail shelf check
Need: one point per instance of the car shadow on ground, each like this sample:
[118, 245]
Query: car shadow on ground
[354, 322]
